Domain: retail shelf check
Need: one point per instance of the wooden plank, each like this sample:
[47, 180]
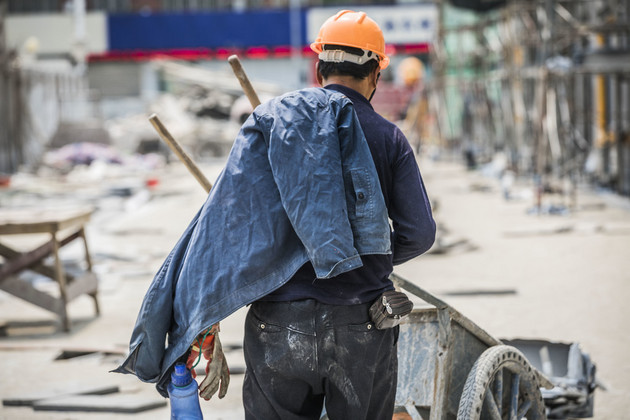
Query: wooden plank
[25, 260]
[41, 221]
[104, 349]
[74, 352]
[115, 403]
[79, 220]
[47, 393]
[32, 327]
[88, 258]
[47, 271]
[60, 276]
[87, 283]
[27, 292]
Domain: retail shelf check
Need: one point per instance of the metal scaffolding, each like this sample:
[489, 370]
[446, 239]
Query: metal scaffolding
[34, 99]
[547, 82]
[10, 155]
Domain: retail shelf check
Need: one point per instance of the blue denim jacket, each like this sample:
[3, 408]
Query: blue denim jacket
[299, 185]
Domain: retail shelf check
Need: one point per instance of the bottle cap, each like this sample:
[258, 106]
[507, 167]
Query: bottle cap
[181, 376]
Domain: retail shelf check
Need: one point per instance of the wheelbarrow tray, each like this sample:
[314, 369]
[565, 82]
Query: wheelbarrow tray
[446, 364]
[434, 359]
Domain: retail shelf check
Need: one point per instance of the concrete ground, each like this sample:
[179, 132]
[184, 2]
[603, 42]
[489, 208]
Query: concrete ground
[568, 275]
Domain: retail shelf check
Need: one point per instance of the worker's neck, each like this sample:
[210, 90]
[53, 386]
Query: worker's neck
[363, 86]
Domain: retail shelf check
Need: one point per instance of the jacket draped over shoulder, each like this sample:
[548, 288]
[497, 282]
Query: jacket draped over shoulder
[299, 185]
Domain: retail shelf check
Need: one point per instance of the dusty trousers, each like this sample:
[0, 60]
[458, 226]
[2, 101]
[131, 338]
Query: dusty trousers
[304, 355]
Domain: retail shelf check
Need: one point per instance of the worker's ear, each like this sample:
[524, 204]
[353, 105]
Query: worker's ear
[373, 79]
[374, 76]
[318, 75]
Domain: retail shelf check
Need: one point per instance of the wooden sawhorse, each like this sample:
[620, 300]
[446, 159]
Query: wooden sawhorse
[63, 226]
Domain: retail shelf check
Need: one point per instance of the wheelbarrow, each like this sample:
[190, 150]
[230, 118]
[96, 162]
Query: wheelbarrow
[450, 368]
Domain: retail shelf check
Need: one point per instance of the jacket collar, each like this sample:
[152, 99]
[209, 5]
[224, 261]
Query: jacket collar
[354, 96]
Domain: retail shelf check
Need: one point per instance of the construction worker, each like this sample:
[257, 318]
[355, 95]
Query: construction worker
[311, 343]
[298, 226]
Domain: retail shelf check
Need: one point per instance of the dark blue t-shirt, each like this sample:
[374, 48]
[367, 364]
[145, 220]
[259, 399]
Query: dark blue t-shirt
[409, 211]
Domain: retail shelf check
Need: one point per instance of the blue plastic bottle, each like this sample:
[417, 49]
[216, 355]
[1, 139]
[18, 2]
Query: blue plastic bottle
[182, 392]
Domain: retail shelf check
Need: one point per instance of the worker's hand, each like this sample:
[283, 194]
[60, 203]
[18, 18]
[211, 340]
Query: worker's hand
[217, 373]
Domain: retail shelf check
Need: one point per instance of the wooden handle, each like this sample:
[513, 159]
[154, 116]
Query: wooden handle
[181, 154]
[238, 70]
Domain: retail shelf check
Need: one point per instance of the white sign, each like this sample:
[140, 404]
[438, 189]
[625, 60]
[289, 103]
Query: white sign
[413, 24]
[55, 32]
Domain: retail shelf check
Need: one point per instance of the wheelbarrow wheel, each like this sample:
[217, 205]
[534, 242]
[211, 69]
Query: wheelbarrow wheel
[501, 385]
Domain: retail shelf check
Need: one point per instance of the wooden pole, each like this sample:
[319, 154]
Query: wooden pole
[244, 80]
[174, 145]
[181, 154]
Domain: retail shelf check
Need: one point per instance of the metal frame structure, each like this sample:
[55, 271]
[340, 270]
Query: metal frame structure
[545, 81]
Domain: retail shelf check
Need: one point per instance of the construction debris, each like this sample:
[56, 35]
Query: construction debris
[540, 231]
[479, 292]
[57, 392]
[448, 245]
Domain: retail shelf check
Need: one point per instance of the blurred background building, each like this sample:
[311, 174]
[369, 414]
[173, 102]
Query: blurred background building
[542, 86]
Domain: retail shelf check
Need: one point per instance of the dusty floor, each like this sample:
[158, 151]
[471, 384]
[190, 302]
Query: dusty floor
[570, 286]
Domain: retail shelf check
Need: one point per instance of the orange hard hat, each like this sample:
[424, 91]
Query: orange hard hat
[411, 70]
[352, 29]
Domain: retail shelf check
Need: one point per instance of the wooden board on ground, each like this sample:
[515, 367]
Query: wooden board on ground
[42, 394]
[114, 403]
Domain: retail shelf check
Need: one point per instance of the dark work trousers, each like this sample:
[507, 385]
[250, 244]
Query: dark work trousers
[303, 355]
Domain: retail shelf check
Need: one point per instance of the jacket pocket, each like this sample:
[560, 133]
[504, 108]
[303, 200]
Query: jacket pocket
[363, 187]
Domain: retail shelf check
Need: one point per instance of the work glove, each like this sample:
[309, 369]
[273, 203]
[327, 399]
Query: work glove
[217, 372]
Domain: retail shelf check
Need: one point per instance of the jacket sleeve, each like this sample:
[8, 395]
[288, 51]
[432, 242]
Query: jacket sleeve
[154, 321]
[410, 210]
